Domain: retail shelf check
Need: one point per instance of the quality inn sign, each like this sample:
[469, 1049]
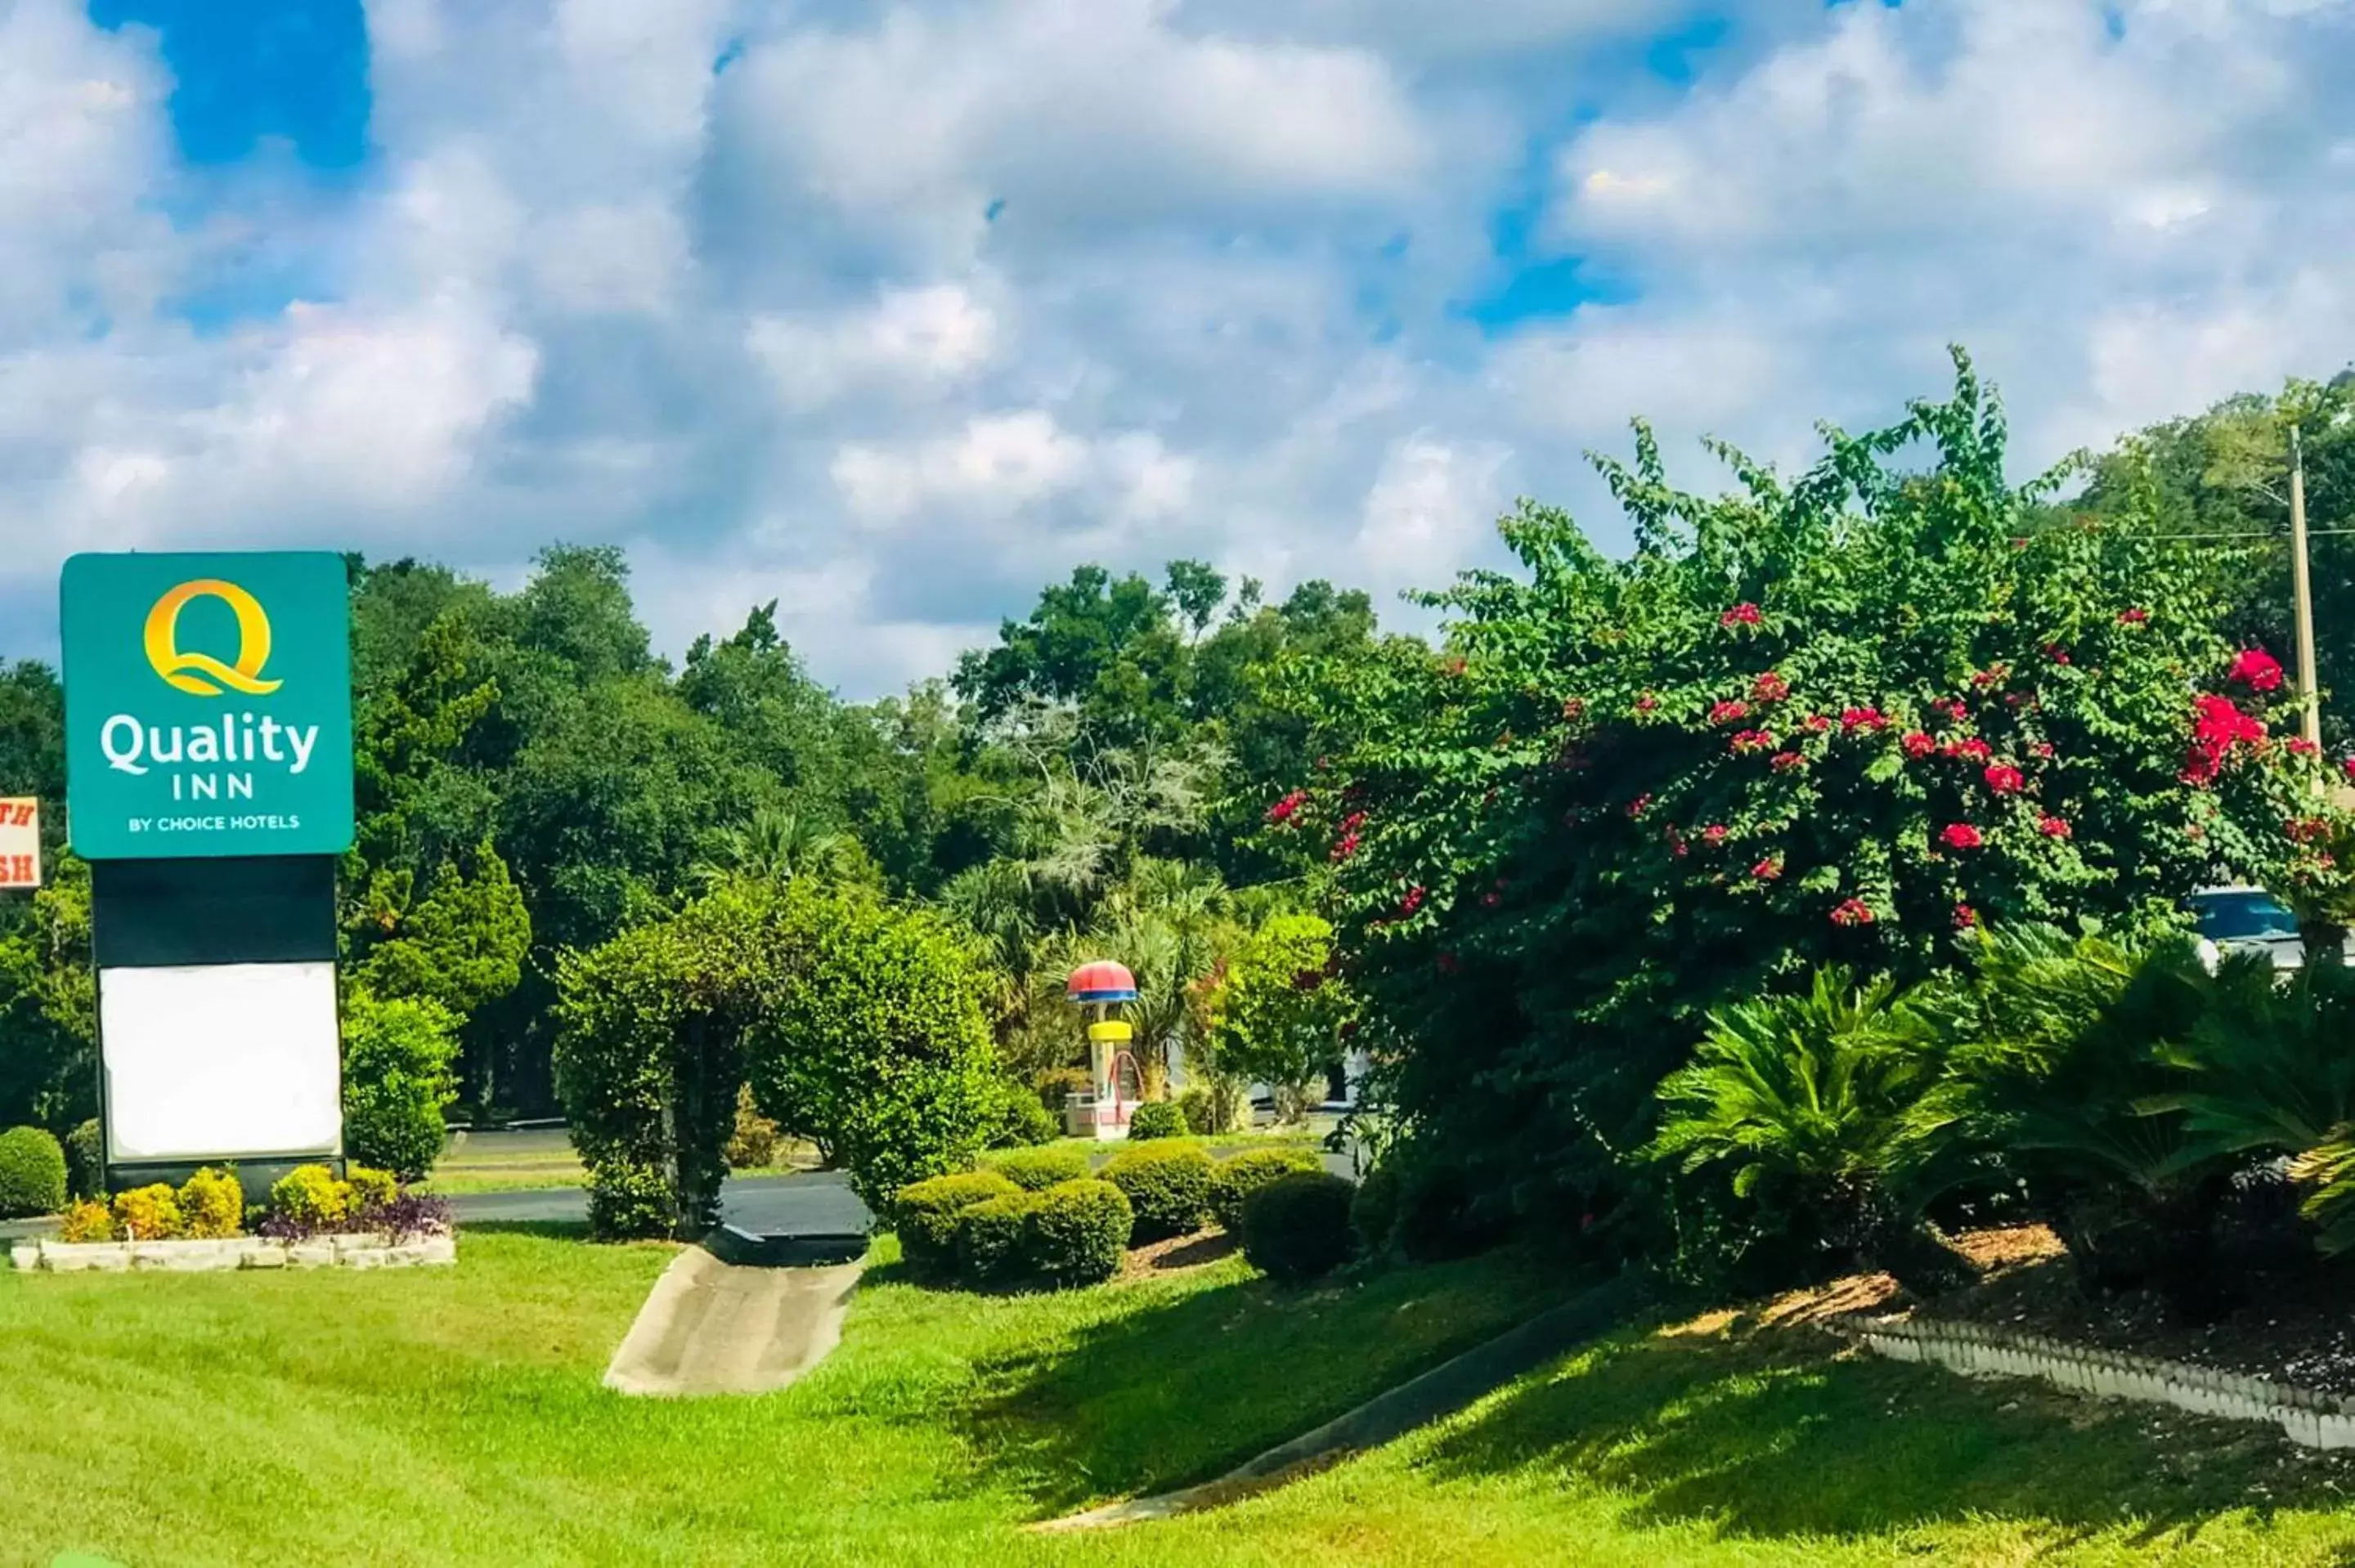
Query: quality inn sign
[209, 707]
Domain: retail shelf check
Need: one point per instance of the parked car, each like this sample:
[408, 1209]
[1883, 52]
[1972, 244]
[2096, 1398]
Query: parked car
[2242, 920]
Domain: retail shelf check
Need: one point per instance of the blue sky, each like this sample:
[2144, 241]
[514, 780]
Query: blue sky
[891, 311]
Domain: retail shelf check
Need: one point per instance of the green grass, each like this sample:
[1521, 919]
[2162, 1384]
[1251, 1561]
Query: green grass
[455, 1417]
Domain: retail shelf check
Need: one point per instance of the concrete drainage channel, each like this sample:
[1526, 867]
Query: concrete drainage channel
[1441, 1392]
[739, 1314]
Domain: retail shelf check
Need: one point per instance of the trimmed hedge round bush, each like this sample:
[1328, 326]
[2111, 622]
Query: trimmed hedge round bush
[310, 1195]
[1167, 1186]
[1297, 1227]
[1238, 1176]
[371, 1188]
[993, 1237]
[1156, 1118]
[32, 1173]
[1036, 1169]
[1079, 1232]
[1199, 1109]
[926, 1214]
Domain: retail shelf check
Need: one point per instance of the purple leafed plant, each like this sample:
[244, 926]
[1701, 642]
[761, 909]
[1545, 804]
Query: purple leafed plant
[407, 1217]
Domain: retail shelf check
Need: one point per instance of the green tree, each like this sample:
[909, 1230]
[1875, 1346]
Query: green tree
[1820, 720]
[461, 946]
[1279, 1009]
[397, 1081]
[874, 1043]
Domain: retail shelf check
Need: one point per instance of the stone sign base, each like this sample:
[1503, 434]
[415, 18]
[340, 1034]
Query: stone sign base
[359, 1251]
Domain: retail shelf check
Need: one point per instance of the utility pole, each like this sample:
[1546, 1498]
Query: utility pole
[2309, 722]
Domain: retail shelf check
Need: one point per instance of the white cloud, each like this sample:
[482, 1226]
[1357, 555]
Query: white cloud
[918, 302]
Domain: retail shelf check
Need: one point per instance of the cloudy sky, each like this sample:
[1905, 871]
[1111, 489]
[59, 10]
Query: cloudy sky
[891, 311]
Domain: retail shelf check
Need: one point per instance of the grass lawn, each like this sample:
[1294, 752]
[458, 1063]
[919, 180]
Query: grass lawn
[453, 1417]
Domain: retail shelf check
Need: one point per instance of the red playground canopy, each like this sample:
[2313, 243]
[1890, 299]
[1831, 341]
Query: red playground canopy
[1101, 979]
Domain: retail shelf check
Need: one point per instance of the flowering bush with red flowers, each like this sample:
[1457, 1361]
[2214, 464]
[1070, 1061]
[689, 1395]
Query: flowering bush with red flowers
[1897, 604]
[1770, 687]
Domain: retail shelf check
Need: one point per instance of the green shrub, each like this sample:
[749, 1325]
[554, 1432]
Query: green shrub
[1373, 1213]
[32, 1173]
[1156, 1118]
[1036, 1169]
[1237, 1177]
[1056, 1085]
[1297, 1227]
[370, 1188]
[86, 1221]
[1020, 1121]
[86, 1159]
[926, 1214]
[397, 1081]
[1200, 1110]
[310, 1195]
[1168, 1187]
[1438, 1216]
[212, 1205]
[629, 1198]
[148, 1214]
[1079, 1232]
[993, 1237]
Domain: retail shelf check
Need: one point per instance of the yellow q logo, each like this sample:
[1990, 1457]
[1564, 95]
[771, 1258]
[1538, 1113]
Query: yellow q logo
[197, 673]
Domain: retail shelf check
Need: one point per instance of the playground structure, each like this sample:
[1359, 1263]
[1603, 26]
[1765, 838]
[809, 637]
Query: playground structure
[1114, 1085]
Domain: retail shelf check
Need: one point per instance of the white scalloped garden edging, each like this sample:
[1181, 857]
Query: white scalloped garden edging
[2312, 1419]
[357, 1251]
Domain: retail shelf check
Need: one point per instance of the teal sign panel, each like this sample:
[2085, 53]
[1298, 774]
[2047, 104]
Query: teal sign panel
[209, 704]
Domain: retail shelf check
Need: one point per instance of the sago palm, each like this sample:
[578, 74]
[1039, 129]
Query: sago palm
[1818, 1091]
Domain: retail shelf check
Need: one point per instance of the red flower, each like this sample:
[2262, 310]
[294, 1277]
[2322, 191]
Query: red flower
[1726, 713]
[1411, 902]
[1863, 718]
[1767, 869]
[2135, 617]
[1743, 614]
[2004, 779]
[1961, 836]
[2349, 766]
[2041, 749]
[1676, 841]
[2058, 654]
[1635, 807]
[1647, 702]
[1918, 743]
[1992, 675]
[1964, 917]
[2306, 830]
[1783, 761]
[1713, 833]
[2053, 827]
[1575, 708]
[1749, 740]
[1490, 900]
[2255, 669]
[1852, 912]
[1972, 749]
[1946, 707]
[1770, 687]
[1353, 821]
[2302, 747]
[1282, 809]
[1816, 724]
[1344, 846]
[2218, 727]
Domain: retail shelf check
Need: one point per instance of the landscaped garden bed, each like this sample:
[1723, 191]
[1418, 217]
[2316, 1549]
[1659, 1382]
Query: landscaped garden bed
[314, 1219]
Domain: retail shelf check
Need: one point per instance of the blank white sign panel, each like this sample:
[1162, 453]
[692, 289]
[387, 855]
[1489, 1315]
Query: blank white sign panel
[225, 1061]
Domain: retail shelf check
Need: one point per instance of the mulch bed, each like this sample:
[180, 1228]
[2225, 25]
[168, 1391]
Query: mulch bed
[2296, 1326]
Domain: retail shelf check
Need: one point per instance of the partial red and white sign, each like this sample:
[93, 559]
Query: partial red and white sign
[20, 842]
